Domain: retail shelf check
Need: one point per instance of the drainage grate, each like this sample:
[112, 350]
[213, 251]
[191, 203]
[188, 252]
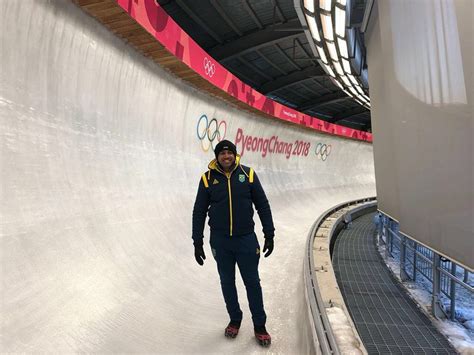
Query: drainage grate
[386, 318]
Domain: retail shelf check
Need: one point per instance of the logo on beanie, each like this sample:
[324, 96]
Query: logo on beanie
[225, 145]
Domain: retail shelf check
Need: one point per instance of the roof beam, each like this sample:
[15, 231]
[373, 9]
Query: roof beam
[255, 69]
[287, 57]
[252, 13]
[314, 81]
[264, 57]
[297, 41]
[278, 11]
[244, 77]
[323, 100]
[291, 78]
[349, 113]
[256, 40]
[324, 116]
[226, 18]
[196, 19]
[310, 89]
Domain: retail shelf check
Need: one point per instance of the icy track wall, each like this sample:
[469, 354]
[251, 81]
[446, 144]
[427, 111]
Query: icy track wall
[100, 160]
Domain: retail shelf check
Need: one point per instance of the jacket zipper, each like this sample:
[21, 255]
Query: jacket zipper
[230, 202]
[228, 176]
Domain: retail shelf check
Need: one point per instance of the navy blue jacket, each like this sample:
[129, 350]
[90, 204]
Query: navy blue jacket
[228, 201]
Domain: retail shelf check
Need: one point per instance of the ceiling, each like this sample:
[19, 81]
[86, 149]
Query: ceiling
[262, 42]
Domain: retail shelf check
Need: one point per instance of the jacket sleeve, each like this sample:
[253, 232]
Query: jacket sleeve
[260, 201]
[201, 206]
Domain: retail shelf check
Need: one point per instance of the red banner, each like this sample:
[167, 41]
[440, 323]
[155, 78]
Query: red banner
[153, 18]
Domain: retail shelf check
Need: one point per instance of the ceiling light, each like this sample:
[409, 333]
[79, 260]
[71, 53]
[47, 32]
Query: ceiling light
[353, 79]
[338, 68]
[322, 55]
[332, 51]
[348, 93]
[354, 91]
[313, 28]
[325, 4]
[342, 48]
[340, 21]
[345, 80]
[336, 82]
[331, 38]
[346, 65]
[329, 70]
[359, 101]
[309, 5]
[327, 27]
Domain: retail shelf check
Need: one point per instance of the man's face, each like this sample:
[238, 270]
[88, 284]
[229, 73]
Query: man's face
[226, 159]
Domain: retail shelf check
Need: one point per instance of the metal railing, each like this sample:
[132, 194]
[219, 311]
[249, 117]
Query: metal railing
[323, 338]
[415, 258]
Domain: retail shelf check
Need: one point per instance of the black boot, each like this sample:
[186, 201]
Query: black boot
[262, 336]
[232, 330]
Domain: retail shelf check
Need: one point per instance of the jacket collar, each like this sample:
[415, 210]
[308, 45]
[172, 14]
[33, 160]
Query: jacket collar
[214, 166]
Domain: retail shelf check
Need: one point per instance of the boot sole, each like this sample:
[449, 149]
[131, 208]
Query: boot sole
[230, 335]
[265, 343]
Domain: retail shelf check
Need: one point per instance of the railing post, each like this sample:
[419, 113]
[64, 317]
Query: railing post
[391, 237]
[466, 276]
[415, 248]
[384, 231]
[388, 236]
[403, 250]
[380, 225]
[453, 292]
[436, 307]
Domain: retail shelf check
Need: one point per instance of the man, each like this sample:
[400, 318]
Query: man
[226, 192]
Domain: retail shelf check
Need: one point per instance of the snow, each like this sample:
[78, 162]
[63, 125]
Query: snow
[456, 334]
[460, 333]
[469, 324]
[342, 330]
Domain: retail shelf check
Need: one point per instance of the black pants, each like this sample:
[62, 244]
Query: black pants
[245, 252]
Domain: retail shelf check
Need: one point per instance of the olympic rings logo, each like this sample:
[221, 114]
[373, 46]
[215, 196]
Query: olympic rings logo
[210, 132]
[209, 67]
[322, 151]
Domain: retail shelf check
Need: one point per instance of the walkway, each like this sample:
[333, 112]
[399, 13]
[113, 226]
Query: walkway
[388, 321]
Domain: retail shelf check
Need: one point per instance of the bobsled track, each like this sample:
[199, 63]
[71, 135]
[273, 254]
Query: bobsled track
[100, 162]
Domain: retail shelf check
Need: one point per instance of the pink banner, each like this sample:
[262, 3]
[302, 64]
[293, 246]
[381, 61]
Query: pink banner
[158, 23]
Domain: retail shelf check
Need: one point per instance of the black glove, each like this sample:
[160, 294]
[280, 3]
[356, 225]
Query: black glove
[268, 246]
[199, 254]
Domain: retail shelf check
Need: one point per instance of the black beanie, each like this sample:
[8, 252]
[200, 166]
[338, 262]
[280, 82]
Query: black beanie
[225, 145]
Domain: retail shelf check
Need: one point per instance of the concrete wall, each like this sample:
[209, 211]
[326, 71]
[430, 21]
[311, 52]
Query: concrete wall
[420, 56]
